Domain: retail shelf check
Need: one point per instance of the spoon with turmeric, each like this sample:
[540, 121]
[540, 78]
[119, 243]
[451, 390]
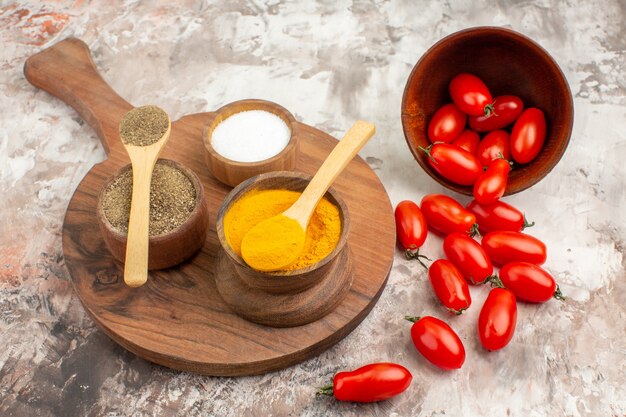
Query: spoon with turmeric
[144, 132]
[275, 243]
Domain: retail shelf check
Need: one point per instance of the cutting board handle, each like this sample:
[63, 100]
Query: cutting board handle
[67, 71]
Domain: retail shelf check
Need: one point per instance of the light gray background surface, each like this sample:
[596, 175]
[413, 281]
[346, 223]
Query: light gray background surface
[329, 63]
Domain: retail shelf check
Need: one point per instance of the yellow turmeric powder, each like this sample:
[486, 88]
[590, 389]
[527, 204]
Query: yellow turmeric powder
[273, 244]
[322, 234]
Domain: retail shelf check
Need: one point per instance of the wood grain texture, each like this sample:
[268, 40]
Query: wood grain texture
[285, 309]
[509, 63]
[66, 70]
[231, 172]
[178, 318]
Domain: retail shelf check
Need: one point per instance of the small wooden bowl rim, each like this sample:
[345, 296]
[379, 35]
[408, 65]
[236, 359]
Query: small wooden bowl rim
[247, 105]
[189, 223]
[249, 185]
[516, 36]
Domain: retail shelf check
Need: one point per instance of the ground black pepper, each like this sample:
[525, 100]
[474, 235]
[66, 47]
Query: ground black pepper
[143, 126]
[172, 199]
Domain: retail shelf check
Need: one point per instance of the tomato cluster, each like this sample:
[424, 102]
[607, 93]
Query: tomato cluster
[469, 261]
[459, 154]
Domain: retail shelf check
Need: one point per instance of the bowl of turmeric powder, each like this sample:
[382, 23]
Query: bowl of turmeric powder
[265, 196]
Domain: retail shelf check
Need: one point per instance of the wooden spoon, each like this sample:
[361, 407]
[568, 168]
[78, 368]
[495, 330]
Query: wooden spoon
[142, 159]
[277, 242]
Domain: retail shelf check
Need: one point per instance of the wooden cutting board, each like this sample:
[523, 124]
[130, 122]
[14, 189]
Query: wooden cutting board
[178, 319]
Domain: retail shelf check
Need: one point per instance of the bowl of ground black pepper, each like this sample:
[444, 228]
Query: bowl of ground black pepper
[247, 138]
[178, 214]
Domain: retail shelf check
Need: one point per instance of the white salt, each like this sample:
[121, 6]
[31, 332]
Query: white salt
[250, 136]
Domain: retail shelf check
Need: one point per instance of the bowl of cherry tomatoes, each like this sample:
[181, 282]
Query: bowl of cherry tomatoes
[484, 94]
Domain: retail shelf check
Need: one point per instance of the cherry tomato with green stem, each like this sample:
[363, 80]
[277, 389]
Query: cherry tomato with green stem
[370, 383]
[411, 229]
[449, 286]
[497, 319]
[529, 282]
[445, 215]
[471, 95]
[468, 256]
[498, 216]
[494, 145]
[528, 135]
[453, 163]
[446, 124]
[437, 342]
[468, 140]
[490, 186]
[505, 247]
[506, 109]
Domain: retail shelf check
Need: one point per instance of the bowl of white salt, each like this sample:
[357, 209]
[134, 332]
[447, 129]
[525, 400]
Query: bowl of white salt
[247, 138]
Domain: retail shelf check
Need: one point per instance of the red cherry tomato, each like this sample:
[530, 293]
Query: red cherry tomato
[374, 382]
[528, 135]
[494, 145]
[437, 342]
[505, 110]
[505, 247]
[529, 282]
[453, 163]
[498, 216]
[471, 95]
[449, 286]
[411, 228]
[468, 140]
[497, 320]
[468, 256]
[447, 124]
[490, 186]
[446, 215]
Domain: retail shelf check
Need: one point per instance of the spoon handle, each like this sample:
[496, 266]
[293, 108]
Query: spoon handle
[136, 261]
[337, 160]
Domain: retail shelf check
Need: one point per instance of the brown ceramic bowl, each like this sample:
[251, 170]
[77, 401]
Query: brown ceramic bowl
[509, 63]
[168, 249]
[291, 281]
[231, 172]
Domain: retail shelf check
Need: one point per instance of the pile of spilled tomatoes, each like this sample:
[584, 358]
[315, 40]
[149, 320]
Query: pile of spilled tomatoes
[467, 262]
[458, 153]
[461, 156]
[470, 262]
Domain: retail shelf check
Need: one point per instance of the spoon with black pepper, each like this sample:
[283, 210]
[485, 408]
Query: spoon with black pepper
[144, 132]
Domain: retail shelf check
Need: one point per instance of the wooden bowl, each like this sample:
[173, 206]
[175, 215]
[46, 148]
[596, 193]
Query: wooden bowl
[509, 63]
[231, 172]
[167, 249]
[288, 281]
